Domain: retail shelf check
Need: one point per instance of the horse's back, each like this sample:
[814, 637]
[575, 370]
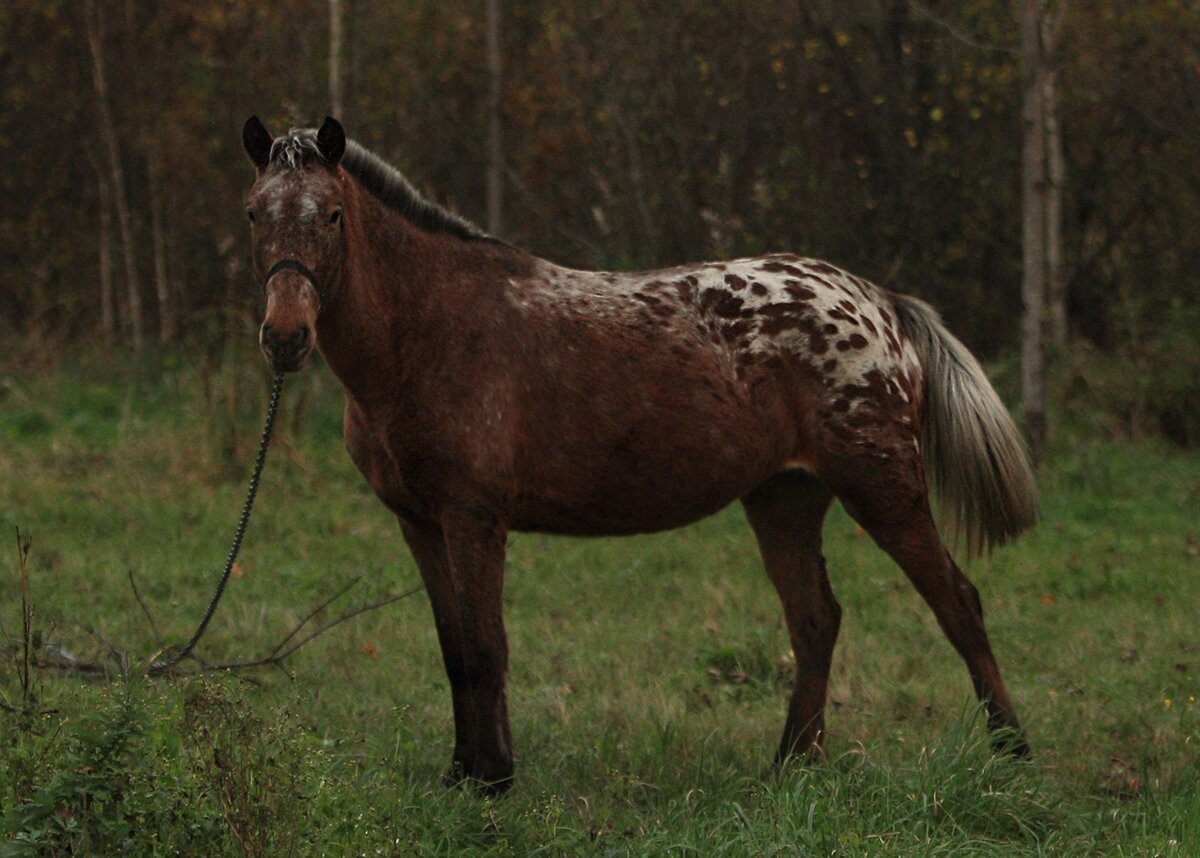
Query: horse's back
[654, 398]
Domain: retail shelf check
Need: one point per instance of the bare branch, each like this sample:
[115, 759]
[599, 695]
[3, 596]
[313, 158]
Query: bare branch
[924, 11]
[54, 656]
[277, 656]
[313, 613]
[145, 610]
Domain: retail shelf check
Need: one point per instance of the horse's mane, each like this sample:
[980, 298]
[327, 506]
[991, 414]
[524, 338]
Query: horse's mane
[387, 184]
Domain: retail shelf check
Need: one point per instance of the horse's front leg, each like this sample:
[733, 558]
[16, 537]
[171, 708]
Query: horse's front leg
[462, 564]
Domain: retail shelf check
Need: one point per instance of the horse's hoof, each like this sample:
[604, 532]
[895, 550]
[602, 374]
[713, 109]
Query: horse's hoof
[487, 785]
[1012, 744]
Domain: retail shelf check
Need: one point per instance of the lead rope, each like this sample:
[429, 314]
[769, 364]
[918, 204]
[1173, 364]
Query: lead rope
[173, 656]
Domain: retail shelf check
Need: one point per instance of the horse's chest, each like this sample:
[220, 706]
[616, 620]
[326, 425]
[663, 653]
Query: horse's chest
[383, 471]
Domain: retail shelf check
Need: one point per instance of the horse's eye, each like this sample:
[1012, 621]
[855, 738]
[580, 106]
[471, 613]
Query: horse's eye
[250, 215]
[336, 216]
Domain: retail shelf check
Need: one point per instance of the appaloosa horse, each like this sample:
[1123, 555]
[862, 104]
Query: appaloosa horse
[488, 390]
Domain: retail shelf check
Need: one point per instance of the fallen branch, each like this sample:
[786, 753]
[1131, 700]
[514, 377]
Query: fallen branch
[166, 663]
[277, 655]
[115, 660]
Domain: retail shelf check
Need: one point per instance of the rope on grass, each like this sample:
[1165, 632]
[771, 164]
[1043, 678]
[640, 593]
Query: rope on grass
[173, 656]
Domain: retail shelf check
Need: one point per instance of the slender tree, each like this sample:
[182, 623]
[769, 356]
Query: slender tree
[1056, 292]
[1033, 218]
[336, 92]
[162, 285]
[495, 146]
[104, 241]
[94, 25]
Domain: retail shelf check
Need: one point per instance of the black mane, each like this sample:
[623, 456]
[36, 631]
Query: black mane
[387, 184]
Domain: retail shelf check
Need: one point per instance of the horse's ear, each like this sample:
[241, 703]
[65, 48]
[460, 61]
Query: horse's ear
[331, 140]
[257, 141]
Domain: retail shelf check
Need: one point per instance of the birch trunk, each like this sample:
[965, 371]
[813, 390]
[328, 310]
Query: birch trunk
[95, 35]
[107, 323]
[335, 59]
[162, 285]
[1033, 200]
[495, 146]
[1056, 291]
[105, 250]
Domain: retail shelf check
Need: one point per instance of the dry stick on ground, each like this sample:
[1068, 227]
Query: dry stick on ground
[281, 650]
[54, 656]
[150, 617]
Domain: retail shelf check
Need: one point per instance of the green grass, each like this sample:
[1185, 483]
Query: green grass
[649, 675]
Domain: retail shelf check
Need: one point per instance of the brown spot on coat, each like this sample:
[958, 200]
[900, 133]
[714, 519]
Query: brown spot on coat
[776, 267]
[686, 290]
[822, 268]
[720, 303]
[798, 290]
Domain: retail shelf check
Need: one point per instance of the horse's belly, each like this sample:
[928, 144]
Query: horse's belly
[639, 487]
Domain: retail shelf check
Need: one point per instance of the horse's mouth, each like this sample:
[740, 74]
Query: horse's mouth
[286, 362]
[289, 352]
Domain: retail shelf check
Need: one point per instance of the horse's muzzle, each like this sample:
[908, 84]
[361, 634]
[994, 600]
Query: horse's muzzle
[286, 351]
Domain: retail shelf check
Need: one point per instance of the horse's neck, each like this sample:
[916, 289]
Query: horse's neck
[361, 334]
[406, 294]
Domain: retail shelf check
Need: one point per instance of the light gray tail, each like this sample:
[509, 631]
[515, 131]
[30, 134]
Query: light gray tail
[975, 459]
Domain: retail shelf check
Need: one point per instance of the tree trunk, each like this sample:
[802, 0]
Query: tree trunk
[495, 148]
[1056, 293]
[1033, 200]
[107, 325]
[94, 23]
[162, 286]
[335, 60]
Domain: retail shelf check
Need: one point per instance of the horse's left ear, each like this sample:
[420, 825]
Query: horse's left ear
[257, 141]
[331, 140]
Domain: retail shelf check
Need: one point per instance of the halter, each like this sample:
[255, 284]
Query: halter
[301, 269]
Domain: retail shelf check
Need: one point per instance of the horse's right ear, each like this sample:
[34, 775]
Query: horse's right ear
[257, 140]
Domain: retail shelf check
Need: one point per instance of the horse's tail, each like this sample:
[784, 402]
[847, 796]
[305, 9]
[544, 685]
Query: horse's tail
[975, 459]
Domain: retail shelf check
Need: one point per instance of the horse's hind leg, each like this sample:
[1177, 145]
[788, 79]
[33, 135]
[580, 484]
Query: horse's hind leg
[786, 514]
[887, 495]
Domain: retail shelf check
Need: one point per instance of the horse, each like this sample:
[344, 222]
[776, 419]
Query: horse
[488, 390]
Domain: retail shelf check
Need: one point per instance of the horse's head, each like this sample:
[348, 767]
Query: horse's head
[297, 230]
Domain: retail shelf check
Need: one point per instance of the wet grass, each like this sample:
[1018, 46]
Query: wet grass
[649, 674]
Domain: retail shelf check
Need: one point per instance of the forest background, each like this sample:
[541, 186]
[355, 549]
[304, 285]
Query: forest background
[914, 142]
[885, 136]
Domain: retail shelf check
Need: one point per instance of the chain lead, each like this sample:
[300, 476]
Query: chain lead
[177, 655]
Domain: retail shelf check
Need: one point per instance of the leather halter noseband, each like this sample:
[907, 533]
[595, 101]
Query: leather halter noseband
[301, 269]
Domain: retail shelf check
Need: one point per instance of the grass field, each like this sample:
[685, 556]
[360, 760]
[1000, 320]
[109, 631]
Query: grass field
[649, 674]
